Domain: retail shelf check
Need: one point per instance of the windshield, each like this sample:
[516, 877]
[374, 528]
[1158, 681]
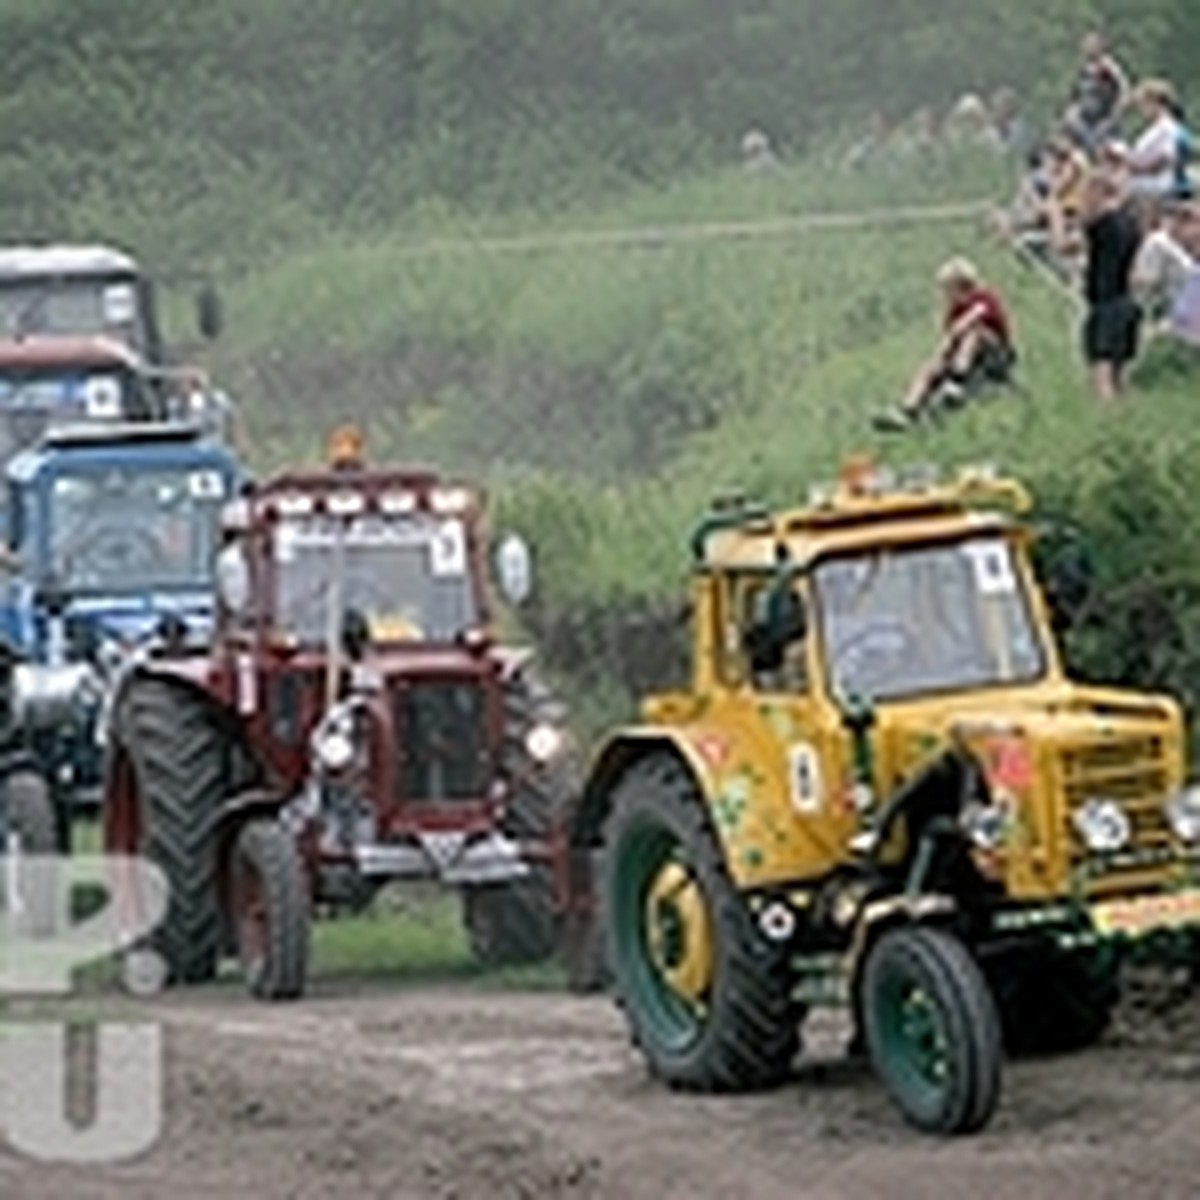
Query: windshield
[409, 577]
[129, 528]
[929, 619]
[32, 402]
[104, 306]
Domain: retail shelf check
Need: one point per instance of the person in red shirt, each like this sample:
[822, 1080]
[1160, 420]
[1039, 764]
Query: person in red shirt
[976, 347]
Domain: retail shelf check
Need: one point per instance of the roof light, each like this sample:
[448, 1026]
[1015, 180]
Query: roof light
[397, 504]
[451, 501]
[977, 473]
[345, 504]
[346, 448]
[822, 495]
[293, 504]
[857, 475]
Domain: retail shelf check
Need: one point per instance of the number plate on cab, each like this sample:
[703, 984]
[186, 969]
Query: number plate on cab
[1172, 910]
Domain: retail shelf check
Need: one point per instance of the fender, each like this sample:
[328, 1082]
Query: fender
[750, 812]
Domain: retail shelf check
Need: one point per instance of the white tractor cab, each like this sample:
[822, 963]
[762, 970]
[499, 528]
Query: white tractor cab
[89, 290]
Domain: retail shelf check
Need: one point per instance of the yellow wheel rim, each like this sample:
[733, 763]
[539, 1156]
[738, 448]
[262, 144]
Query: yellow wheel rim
[680, 932]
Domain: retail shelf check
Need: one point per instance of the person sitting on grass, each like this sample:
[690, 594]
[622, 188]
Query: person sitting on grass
[976, 348]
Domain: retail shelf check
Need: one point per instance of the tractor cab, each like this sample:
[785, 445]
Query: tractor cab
[110, 552]
[78, 291]
[359, 595]
[113, 529]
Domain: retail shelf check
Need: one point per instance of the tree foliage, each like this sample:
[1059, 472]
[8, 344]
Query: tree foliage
[349, 111]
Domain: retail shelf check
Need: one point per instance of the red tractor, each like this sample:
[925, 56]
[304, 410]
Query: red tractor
[354, 724]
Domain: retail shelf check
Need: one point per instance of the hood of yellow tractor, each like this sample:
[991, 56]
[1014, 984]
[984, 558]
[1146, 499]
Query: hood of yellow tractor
[1047, 752]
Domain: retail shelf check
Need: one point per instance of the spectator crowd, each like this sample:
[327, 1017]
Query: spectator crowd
[1105, 208]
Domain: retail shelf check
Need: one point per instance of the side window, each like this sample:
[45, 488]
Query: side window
[772, 627]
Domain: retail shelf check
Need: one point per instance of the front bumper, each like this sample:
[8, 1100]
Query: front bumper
[1146, 915]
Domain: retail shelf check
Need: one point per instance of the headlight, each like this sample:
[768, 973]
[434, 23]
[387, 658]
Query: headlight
[984, 824]
[1183, 811]
[543, 742]
[334, 750]
[334, 743]
[1103, 825]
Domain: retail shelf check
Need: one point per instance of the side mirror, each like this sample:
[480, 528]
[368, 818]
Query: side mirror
[210, 312]
[779, 622]
[514, 569]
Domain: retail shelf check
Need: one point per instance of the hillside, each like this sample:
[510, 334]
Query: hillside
[445, 219]
[607, 392]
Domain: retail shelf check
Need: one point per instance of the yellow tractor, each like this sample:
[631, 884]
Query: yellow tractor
[881, 789]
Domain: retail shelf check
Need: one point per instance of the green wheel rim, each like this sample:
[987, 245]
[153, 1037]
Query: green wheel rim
[672, 1021]
[912, 1039]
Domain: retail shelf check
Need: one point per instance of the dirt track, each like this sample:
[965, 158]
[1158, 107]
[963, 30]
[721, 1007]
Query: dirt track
[457, 1092]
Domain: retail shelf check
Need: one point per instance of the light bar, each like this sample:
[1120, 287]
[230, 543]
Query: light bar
[450, 501]
[398, 504]
[293, 505]
[345, 504]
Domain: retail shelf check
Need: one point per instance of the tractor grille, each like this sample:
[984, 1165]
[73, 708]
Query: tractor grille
[443, 741]
[1133, 772]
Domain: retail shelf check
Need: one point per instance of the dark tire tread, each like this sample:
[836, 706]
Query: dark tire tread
[958, 985]
[752, 1034]
[179, 758]
[519, 922]
[267, 849]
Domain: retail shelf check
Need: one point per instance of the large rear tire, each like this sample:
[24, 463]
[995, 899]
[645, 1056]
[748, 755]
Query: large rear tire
[707, 999]
[270, 910]
[932, 1029]
[179, 760]
[520, 922]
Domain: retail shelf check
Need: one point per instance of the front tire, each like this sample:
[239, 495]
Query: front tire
[932, 1030]
[270, 910]
[708, 1001]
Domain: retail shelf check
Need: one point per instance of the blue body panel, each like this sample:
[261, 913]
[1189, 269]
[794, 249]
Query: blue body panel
[103, 624]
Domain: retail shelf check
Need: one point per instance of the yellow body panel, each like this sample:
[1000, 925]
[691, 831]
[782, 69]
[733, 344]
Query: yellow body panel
[776, 765]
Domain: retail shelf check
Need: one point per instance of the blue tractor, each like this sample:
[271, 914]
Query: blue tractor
[111, 538]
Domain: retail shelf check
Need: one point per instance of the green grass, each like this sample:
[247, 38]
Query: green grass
[413, 935]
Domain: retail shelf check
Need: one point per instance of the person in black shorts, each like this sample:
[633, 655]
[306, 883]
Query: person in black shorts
[1110, 329]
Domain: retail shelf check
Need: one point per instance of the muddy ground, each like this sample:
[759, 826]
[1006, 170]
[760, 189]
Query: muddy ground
[453, 1092]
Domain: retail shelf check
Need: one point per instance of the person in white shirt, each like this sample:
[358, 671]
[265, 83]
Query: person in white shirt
[1163, 264]
[1157, 160]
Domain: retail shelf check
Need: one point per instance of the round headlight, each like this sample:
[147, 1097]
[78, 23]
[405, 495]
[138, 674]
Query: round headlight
[334, 749]
[984, 825]
[1103, 825]
[1183, 811]
[543, 742]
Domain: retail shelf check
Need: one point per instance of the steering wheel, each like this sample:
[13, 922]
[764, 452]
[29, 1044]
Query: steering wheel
[870, 653]
[115, 549]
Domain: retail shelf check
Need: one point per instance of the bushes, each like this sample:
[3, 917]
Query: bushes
[1122, 564]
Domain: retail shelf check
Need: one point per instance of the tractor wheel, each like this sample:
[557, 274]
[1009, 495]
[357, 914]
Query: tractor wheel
[33, 819]
[270, 911]
[1055, 1001]
[520, 922]
[932, 1029]
[707, 999]
[177, 758]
